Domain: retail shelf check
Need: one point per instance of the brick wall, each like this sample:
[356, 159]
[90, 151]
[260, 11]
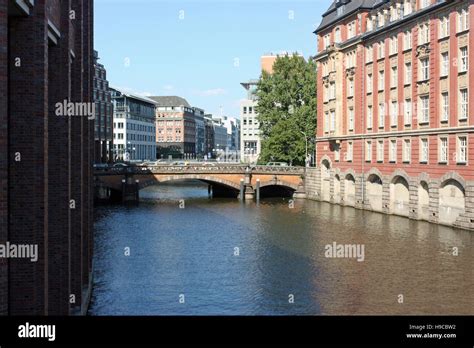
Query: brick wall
[56, 154]
[3, 154]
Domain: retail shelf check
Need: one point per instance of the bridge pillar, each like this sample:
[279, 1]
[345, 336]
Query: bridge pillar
[130, 190]
[300, 193]
[249, 193]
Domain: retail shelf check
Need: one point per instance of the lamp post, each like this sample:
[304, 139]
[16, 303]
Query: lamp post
[306, 139]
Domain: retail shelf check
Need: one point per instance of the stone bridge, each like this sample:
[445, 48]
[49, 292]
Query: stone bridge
[237, 180]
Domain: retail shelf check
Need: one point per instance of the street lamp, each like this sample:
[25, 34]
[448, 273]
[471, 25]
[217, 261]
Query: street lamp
[306, 139]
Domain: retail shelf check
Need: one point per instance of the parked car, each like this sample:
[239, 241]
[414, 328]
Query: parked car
[180, 163]
[277, 164]
[145, 164]
[120, 165]
[101, 166]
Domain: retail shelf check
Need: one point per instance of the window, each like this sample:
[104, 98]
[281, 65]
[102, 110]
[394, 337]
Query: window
[394, 45]
[444, 27]
[368, 151]
[394, 78]
[424, 109]
[424, 152]
[351, 59]
[443, 150]
[424, 3]
[393, 151]
[393, 13]
[332, 91]
[381, 52]
[370, 83]
[463, 20]
[444, 107]
[424, 69]
[407, 112]
[407, 39]
[424, 34]
[326, 41]
[350, 151]
[370, 24]
[351, 119]
[408, 75]
[350, 88]
[337, 35]
[333, 121]
[370, 117]
[351, 30]
[393, 113]
[340, 10]
[462, 150]
[406, 151]
[245, 110]
[463, 59]
[380, 151]
[326, 93]
[381, 19]
[463, 104]
[369, 54]
[407, 7]
[381, 80]
[382, 115]
[326, 122]
[337, 153]
[444, 64]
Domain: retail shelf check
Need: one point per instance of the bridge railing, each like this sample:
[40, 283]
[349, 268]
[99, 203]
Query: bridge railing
[198, 169]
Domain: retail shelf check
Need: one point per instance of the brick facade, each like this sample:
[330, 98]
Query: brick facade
[49, 52]
[374, 135]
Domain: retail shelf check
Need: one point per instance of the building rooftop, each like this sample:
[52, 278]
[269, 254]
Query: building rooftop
[340, 9]
[134, 96]
[170, 101]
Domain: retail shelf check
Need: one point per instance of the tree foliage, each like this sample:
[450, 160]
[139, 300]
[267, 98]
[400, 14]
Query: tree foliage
[286, 108]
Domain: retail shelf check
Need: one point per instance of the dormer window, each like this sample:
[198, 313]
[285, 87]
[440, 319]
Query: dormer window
[340, 10]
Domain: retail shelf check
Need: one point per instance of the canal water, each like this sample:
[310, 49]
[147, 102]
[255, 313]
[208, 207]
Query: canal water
[222, 257]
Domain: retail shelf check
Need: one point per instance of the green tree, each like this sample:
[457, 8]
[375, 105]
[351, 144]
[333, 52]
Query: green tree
[287, 109]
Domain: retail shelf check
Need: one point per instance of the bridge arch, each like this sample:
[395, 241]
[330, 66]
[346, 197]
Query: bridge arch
[452, 200]
[205, 178]
[374, 191]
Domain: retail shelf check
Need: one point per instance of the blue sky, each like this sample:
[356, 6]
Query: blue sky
[200, 50]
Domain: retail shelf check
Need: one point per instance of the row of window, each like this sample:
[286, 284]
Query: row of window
[169, 130]
[424, 70]
[406, 109]
[460, 155]
[424, 74]
[136, 137]
[170, 139]
[248, 110]
[134, 127]
[250, 122]
[379, 20]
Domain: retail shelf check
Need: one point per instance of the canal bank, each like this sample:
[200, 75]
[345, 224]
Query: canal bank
[447, 201]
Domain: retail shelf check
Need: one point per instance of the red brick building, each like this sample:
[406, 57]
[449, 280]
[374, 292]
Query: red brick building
[46, 58]
[395, 126]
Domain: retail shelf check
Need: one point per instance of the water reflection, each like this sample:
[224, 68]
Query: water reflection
[191, 252]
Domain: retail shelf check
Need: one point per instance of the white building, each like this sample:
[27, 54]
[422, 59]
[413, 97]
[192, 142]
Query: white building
[134, 127]
[250, 142]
